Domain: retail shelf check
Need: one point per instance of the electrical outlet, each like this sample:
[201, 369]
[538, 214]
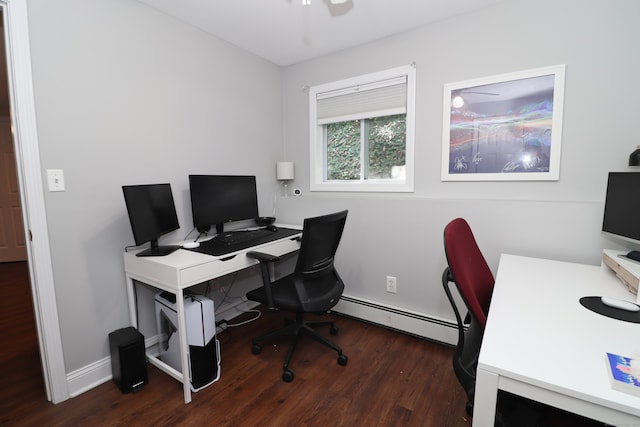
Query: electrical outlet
[391, 284]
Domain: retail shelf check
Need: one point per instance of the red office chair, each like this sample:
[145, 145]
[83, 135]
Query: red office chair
[474, 281]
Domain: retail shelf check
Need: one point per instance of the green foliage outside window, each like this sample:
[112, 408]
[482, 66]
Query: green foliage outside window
[343, 150]
[384, 145]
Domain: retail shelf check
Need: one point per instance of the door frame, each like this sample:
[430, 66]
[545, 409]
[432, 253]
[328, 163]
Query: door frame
[23, 120]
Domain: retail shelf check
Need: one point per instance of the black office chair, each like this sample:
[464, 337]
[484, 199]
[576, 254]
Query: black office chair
[313, 287]
[469, 271]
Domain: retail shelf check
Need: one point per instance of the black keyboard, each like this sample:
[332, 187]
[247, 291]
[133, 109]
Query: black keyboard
[238, 237]
[238, 240]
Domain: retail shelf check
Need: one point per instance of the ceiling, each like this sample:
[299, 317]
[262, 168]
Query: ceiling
[286, 32]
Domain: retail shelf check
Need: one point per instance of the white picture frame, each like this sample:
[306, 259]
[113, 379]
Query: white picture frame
[506, 127]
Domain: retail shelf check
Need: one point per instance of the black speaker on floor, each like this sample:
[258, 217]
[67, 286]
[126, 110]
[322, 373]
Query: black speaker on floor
[128, 359]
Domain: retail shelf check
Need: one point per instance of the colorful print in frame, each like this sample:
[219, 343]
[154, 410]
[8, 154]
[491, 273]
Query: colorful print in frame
[504, 128]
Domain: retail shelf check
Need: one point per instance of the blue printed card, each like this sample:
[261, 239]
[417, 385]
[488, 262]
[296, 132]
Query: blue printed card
[624, 373]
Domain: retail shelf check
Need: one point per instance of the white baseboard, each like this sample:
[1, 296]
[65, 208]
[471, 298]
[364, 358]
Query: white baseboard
[402, 320]
[89, 376]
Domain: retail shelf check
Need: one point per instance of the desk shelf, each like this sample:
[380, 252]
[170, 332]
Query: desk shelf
[628, 271]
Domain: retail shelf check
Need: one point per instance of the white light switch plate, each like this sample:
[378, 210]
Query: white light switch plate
[56, 179]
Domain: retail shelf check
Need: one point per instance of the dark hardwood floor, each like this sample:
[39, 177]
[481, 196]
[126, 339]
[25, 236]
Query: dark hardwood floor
[22, 383]
[392, 379]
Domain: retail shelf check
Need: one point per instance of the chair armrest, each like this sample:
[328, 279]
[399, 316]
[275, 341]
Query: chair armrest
[263, 257]
[265, 260]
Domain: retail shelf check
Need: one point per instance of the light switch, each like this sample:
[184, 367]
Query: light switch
[56, 179]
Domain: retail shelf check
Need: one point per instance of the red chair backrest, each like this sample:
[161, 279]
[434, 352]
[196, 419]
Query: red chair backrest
[471, 273]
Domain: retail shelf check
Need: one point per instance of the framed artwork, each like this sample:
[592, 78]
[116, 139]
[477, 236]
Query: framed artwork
[504, 128]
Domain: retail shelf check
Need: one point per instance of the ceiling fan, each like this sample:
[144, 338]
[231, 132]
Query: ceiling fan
[308, 2]
[336, 7]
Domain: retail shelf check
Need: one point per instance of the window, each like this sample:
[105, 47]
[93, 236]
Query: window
[361, 132]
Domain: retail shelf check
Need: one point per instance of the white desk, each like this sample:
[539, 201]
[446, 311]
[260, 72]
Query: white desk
[180, 270]
[541, 343]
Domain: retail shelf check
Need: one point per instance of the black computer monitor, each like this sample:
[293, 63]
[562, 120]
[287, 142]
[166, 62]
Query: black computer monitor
[152, 213]
[621, 206]
[217, 199]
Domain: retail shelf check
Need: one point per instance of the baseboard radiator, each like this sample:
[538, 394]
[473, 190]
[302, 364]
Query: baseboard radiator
[405, 321]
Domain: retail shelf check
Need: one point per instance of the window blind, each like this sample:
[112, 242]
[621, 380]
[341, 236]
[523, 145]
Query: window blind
[375, 99]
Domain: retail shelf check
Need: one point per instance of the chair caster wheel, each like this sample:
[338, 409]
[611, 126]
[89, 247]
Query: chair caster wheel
[470, 399]
[256, 348]
[287, 376]
[342, 360]
[333, 330]
[469, 408]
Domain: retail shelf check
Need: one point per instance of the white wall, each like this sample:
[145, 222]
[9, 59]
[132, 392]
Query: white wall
[401, 235]
[127, 95]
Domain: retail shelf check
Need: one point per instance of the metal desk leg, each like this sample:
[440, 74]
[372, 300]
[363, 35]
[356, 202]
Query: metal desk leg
[184, 353]
[133, 309]
[485, 399]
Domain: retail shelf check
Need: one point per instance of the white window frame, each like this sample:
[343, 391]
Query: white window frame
[318, 181]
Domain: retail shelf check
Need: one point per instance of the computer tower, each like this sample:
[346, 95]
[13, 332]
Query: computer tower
[128, 359]
[204, 351]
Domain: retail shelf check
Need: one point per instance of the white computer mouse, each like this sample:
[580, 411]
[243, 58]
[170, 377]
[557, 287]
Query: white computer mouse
[190, 245]
[621, 304]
